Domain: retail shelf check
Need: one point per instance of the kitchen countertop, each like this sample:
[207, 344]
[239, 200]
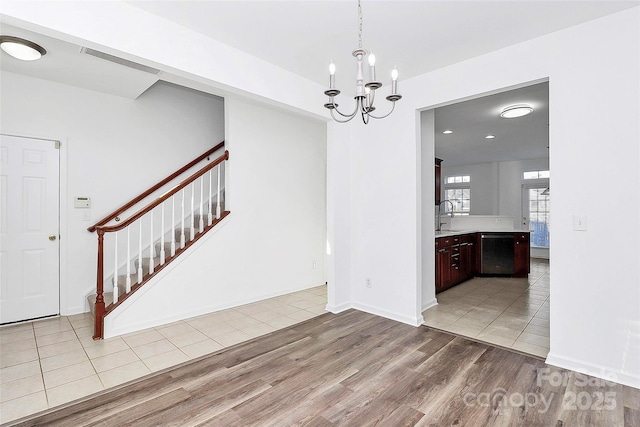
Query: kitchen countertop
[448, 233]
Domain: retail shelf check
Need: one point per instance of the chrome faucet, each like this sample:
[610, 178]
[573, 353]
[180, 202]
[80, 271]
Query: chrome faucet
[440, 213]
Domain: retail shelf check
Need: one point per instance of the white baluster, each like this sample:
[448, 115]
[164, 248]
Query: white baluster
[140, 273]
[182, 234]
[218, 194]
[127, 287]
[151, 242]
[162, 254]
[209, 214]
[173, 225]
[201, 200]
[115, 270]
[193, 212]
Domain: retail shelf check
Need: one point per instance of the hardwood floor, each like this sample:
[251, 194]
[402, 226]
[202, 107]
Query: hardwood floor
[356, 369]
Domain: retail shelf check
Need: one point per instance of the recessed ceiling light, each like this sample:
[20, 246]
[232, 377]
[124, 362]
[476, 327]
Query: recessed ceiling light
[447, 132]
[516, 111]
[22, 49]
[490, 137]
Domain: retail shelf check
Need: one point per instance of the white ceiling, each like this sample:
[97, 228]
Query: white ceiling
[64, 63]
[515, 139]
[418, 36]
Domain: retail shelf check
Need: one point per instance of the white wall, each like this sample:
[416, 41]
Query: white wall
[496, 188]
[510, 185]
[276, 229]
[112, 148]
[595, 311]
[484, 194]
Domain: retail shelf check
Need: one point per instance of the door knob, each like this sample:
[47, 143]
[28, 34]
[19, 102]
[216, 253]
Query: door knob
[52, 237]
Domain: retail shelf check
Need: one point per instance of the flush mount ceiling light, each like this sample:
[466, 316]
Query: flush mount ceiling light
[490, 137]
[365, 93]
[516, 111]
[22, 49]
[447, 132]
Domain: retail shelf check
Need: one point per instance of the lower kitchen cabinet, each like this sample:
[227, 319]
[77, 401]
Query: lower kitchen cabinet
[443, 264]
[521, 255]
[455, 260]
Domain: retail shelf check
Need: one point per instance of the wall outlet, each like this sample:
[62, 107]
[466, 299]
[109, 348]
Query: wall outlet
[315, 264]
[367, 282]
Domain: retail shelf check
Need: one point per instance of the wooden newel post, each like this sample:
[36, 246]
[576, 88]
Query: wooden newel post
[99, 327]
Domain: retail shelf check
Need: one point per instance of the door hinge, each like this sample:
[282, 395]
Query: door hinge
[57, 145]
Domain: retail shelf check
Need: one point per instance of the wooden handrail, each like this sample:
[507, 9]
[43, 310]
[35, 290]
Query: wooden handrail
[165, 196]
[145, 194]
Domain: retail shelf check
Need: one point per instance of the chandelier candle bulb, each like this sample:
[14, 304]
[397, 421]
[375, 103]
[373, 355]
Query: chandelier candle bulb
[394, 81]
[332, 75]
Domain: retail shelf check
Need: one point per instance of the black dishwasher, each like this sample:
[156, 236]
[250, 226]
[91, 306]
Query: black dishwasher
[497, 253]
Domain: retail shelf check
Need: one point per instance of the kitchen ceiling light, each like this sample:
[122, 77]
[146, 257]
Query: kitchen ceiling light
[490, 137]
[447, 132]
[516, 111]
[365, 92]
[22, 49]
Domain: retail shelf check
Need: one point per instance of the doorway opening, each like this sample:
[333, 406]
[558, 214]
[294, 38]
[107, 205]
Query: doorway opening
[485, 162]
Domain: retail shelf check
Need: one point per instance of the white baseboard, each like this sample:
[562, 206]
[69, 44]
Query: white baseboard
[413, 321]
[598, 371]
[335, 309]
[431, 303]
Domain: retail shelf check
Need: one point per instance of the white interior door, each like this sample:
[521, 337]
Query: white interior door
[29, 228]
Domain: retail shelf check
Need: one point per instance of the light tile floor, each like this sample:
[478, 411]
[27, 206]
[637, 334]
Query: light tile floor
[512, 313]
[49, 362]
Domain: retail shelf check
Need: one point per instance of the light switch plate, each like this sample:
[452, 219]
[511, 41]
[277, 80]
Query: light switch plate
[580, 222]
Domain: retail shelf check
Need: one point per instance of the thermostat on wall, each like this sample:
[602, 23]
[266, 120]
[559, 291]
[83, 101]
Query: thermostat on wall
[82, 202]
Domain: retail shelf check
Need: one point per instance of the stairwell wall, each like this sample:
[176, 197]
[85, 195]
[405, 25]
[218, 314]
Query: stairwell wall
[112, 149]
[276, 192]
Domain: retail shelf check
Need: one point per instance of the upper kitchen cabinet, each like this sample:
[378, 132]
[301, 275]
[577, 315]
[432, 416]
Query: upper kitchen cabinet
[438, 177]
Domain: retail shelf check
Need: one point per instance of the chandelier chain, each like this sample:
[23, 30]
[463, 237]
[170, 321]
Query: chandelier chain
[360, 25]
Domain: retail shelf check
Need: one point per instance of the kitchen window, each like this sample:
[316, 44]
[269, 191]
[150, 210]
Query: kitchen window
[460, 179]
[536, 175]
[458, 191]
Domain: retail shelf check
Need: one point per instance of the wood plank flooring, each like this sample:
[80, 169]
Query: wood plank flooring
[356, 369]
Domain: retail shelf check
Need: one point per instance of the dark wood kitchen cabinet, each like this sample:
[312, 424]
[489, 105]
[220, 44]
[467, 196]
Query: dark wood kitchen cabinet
[443, 264]
[521, 255]
[438, 182]
[455, 260]
[467, 256]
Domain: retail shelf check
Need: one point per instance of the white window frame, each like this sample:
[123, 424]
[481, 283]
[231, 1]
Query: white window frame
[457, 186]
